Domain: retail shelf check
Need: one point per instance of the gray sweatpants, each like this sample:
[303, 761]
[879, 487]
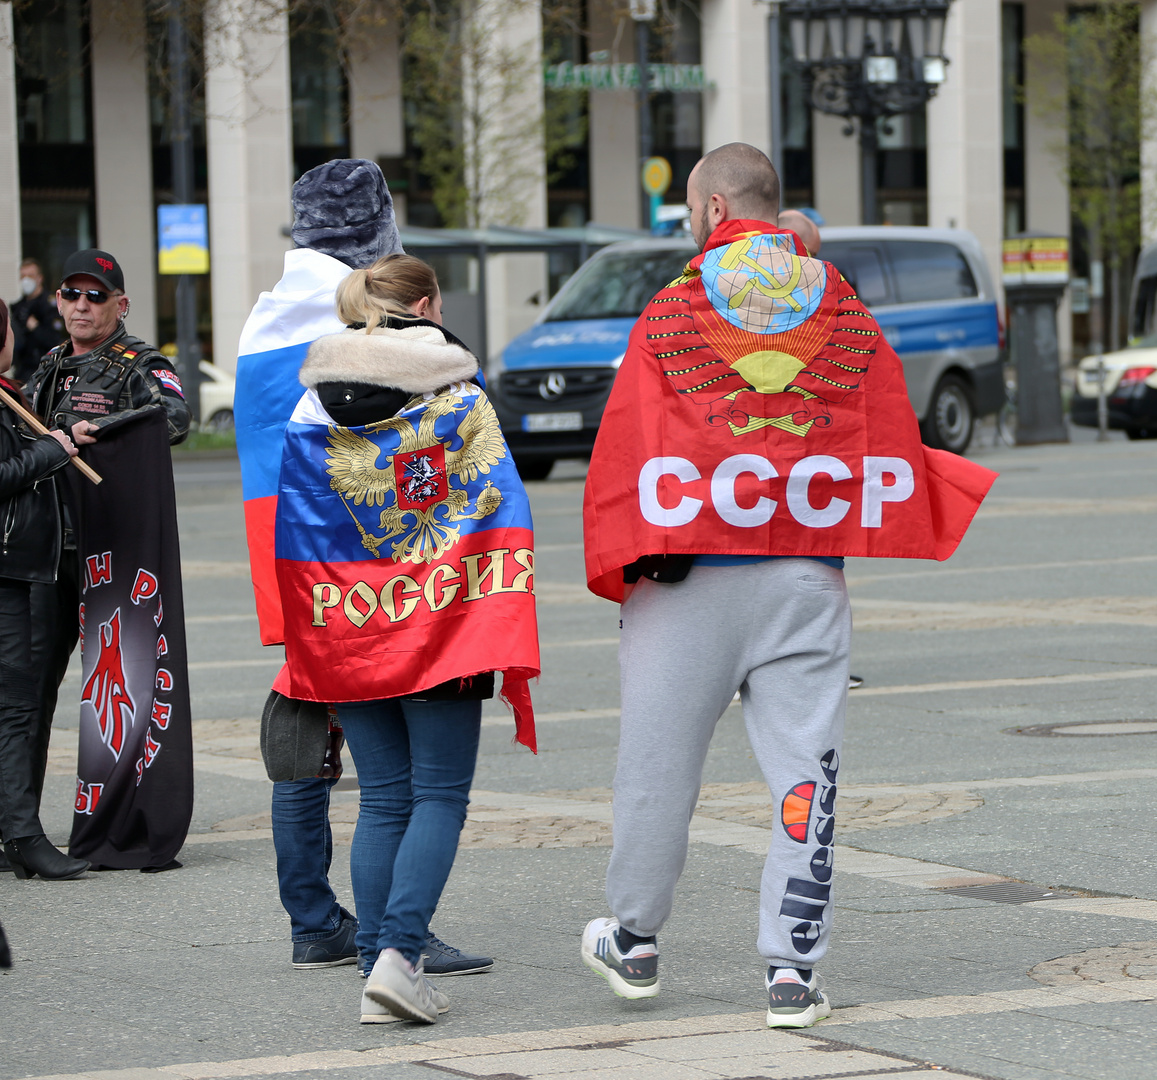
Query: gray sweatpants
[778, 631]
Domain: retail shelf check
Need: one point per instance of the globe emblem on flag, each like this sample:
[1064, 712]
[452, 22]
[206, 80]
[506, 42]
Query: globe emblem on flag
[761, 287]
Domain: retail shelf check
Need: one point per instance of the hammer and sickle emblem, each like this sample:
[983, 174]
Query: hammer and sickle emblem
[736, 256]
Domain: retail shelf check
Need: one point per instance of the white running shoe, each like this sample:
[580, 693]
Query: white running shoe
[404, 990]
[794, 1001]
[373, 1013]
[633, 974]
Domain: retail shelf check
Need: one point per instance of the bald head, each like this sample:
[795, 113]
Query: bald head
[733, 181]
[803, 226]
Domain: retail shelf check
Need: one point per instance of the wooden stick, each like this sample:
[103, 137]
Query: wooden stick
[33, 421]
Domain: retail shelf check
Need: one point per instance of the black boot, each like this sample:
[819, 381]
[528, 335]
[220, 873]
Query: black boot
[32, 855]
[5, 865]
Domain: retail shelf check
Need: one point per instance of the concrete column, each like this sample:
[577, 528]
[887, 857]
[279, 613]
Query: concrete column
[1046, 194]
[734, 45]
[616, 190]
[122, 150]
[1149, 121]
[505, 154]
[250, 161]
[10, 242]
[835, 170]
[965, 141]
[375, 87]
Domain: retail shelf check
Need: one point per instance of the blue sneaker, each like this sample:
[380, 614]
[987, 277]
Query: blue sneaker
[442, 959]
[333, 950]
[438, 958]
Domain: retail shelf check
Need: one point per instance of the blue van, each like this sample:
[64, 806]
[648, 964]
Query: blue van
[929, 289]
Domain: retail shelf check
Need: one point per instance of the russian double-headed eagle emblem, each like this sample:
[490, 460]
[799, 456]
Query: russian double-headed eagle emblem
[417, 488]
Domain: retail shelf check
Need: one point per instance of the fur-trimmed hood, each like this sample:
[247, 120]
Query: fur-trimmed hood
[417, 359]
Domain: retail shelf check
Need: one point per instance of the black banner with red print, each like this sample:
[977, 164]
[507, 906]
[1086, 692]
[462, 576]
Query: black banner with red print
[134, 790]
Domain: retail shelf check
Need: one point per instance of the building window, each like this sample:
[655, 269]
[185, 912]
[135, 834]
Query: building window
[1012, 115]
[677, 119]
[54, 131]
[567, 118]
[902, 170]
[798, 189]
[319, 91]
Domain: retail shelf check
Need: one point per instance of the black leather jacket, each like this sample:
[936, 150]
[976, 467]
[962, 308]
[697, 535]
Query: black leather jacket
[29, 512]
[121, 376]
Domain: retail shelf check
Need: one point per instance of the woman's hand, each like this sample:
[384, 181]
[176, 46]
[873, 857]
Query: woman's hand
[84, 433]
[62, 438]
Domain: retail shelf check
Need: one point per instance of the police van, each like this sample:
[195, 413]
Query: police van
[929, 289]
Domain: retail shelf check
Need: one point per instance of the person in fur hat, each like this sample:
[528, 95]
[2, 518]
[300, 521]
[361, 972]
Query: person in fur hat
[343, 219]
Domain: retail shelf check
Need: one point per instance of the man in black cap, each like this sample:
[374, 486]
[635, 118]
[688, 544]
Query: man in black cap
[100, 374]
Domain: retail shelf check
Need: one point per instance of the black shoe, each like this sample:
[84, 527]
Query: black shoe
[5, 952]
[442, 959]
[32, 855]
[5, 865]
[331, 951]
[855, 682]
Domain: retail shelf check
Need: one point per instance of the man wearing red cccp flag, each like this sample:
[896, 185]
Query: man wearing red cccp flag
[759, 430]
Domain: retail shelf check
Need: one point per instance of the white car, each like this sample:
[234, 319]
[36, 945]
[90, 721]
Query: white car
[216, 398]
[1130, 389]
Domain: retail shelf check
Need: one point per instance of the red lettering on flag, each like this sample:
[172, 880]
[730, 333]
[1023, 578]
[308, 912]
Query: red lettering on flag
[162, 713]
[145, 587]
[99, 569]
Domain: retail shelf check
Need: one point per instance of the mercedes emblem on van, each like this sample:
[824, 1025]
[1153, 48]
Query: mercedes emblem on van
[551, 387]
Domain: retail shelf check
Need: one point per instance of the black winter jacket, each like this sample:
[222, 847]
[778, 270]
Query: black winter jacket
[29, 512]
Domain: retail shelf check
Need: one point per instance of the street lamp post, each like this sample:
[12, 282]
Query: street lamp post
[868, 60]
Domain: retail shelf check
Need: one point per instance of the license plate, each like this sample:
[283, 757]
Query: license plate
[553, 421]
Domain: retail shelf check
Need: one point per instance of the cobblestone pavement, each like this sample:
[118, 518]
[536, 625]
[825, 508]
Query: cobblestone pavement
[1003, 744]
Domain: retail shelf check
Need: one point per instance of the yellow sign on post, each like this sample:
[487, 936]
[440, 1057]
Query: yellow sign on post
[182, 239]
[656, 176]
[1036, 260]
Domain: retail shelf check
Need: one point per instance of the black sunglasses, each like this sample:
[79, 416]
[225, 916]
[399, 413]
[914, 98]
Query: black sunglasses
[95, 296]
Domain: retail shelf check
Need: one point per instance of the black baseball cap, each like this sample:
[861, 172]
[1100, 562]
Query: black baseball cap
[95, 263]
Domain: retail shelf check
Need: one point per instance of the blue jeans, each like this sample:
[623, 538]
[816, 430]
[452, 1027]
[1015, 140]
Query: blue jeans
[415, 762]
[304, 845]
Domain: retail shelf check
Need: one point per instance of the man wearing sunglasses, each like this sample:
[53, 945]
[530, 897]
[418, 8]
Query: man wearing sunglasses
[102, 373]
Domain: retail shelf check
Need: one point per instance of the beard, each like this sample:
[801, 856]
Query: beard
[700, 229]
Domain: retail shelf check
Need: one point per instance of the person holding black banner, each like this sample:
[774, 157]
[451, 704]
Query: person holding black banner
[29, 558]
[123, 402]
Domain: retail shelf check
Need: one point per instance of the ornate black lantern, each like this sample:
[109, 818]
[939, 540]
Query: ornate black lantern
[867, 60]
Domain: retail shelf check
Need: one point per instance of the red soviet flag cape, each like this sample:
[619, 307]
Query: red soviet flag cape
[759, 411]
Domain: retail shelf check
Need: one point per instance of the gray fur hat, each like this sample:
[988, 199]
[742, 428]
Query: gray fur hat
[343, 209]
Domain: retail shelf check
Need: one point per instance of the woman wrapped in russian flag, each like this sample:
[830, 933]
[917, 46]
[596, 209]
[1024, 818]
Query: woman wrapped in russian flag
[405, 565]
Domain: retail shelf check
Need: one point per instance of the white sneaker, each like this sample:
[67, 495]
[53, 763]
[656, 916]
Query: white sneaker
[633, 974]
[373, 1013]
[404, 990]
[794, 1001]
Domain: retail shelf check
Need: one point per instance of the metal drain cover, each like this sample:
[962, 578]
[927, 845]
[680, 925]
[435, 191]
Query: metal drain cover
[1008, 892]
[1088, 728]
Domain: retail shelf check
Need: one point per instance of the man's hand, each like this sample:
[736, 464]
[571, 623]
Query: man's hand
[62, 438]
[32, 322]
[84, 433]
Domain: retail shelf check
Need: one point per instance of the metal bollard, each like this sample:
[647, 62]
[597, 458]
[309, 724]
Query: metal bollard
[1102, 403]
